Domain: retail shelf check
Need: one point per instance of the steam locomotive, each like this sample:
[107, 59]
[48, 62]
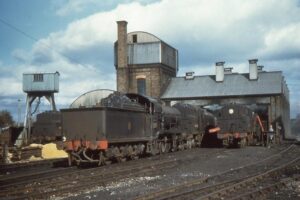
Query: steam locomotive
[239, 125]
[127, 126]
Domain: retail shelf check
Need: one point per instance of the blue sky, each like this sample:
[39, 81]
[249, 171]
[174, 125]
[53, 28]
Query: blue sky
[75, 37]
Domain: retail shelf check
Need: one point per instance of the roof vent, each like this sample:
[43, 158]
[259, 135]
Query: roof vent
[260, 68]
[253, 71]
[189, 75]
[220, 71]
[228, 70]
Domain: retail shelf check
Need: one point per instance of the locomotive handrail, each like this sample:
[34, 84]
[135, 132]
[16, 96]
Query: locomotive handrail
[260, 123]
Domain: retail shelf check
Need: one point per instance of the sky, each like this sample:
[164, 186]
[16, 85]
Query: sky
[75, 37]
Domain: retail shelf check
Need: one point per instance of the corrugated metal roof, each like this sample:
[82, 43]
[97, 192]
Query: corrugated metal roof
[268, 83]
[91, 98]
[142, 37]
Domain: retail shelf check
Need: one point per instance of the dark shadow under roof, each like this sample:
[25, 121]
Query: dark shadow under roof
[268, 83]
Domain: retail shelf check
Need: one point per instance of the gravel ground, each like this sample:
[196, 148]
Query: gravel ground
[195, 163]
[291, 192]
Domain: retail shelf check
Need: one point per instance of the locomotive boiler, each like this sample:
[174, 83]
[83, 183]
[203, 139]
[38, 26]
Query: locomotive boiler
[127, 126]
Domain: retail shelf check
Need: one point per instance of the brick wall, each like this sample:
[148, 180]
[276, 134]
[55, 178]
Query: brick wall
[156, 78]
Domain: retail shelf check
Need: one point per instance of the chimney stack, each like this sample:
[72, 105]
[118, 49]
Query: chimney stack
[122, 65]
[189, 75]
[122, 44]
[253, 71]
[220, 71]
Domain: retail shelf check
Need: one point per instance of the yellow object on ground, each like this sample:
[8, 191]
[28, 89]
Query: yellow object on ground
[33, 158]
[50, 151]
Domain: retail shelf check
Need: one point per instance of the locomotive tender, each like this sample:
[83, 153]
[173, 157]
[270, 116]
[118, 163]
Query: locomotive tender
[127, 126]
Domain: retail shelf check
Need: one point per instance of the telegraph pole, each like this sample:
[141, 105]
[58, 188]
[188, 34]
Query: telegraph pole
[19, 112]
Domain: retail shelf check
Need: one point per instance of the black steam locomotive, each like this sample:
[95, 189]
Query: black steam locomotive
[238, 125]
[127, 126]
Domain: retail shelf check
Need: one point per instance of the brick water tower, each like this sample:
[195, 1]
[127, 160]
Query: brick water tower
[144, 63]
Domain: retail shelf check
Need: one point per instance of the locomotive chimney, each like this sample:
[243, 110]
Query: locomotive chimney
[122, 65]
[220, 71]
[253, 70]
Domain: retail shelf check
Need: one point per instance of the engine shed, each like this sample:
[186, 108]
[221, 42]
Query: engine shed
[267, 91]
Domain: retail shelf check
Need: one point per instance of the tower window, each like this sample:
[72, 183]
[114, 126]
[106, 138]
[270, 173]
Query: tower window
[141, 86]
[134, 38]
[38, 77]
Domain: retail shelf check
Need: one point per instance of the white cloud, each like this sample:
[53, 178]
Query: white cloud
[283, 42]
[73, 6]
[68, 7]
[20, 55]
[10, 86]
[203, 31]
[226, 29]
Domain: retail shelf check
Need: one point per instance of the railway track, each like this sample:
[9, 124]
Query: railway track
[46, 183]
[240, 190]
[231, 181]
[262, 192]
[8, 169]
[68, 181]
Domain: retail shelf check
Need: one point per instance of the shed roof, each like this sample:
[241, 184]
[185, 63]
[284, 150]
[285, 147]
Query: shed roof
[268, 83]
[91, 98]
[143, 37]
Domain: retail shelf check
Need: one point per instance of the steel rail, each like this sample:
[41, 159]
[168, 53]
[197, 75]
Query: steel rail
[169, 192]
[235, 186]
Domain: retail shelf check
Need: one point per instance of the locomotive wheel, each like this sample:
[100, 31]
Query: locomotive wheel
[134, 157]
[162, 147]
[103, 160]
[155, 148]
[250, 139]
[174, 144]
[136, 151]
[168, 147]
[70, 159]
[132, 152]
[107, 162]
[189, 144]
[243, 142]
[121, 159]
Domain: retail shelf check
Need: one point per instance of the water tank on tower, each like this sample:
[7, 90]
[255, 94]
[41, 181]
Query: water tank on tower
[37, 85]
